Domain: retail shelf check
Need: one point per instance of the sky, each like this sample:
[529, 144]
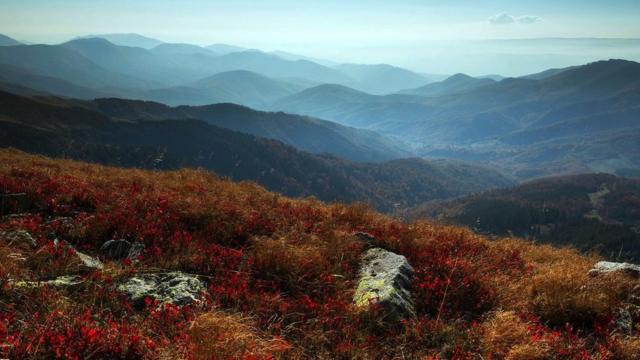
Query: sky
[426, 35]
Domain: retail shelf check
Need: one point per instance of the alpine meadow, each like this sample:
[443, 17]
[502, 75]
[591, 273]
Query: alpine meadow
[417, 179]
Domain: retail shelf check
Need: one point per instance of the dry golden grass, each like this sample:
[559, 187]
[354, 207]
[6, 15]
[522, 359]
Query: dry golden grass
[565, 293]
[219, 335]
[11, 260]
[502, 332]
[295, 261]
[530, 352]
[558, 287]
[627, 349]
[302, 257]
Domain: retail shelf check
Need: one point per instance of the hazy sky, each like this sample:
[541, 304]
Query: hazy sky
[422, 34]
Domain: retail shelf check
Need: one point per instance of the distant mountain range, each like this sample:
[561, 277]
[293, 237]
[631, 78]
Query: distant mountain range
[590, 211]
[559, 121]
[103, 131]
[578, 119]
[149, 64]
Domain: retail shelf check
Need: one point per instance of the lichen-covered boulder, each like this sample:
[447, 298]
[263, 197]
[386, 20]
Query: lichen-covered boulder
[175, 288]
[604, 267]
[385, 280]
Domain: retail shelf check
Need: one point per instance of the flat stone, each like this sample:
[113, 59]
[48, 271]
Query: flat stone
[604, 267]
[385, 280]
[175, 288]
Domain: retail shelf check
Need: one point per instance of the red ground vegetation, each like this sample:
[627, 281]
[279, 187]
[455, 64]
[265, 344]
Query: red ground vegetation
[281, 274]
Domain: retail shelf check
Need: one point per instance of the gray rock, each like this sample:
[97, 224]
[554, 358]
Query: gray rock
[19, 238]
[604, 267]
[624, 322]
[175, 287]
[121, 249]
[365, 237]
[135, 251]
[87, 263]
[385, 280]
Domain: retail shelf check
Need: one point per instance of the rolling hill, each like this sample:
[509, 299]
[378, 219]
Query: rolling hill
[381, 79]
[181, 49]
[275, 66]
[7, 41]
[308, 134]
[590, 212]
[45, 84]
[351, 107]
[245, 88]
[65, 130]
[65, 64]
[224, 49]
[156, 69]
[132, 40]
[457, 83]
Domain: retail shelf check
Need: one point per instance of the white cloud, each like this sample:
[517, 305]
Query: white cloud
[504, 19]
[501, 19]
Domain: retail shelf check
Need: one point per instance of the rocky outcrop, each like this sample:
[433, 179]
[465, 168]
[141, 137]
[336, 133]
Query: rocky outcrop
[385, 280]
[604, 267]
[175, 288]
[120, 250]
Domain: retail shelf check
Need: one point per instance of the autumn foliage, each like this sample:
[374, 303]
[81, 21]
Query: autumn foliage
[280, 277]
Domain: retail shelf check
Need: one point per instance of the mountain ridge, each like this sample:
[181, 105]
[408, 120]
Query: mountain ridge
[81, 133]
